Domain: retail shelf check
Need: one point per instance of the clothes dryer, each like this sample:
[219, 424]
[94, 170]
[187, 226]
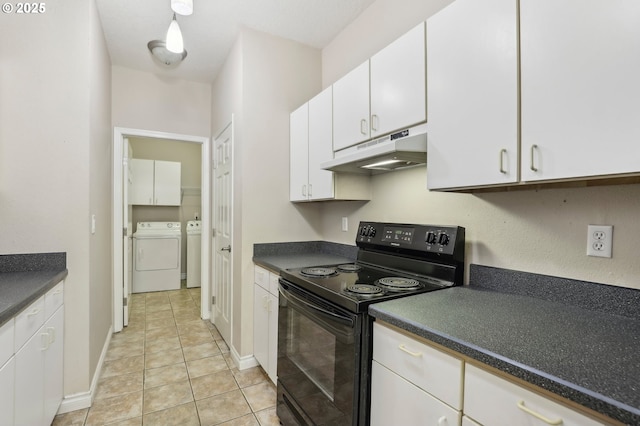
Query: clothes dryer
[156, 247]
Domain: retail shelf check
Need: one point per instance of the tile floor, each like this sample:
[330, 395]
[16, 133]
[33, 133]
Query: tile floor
[169, 367]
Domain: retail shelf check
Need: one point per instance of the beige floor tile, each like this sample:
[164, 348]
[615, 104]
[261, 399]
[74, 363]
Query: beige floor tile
[222, 408]
[248, 420]
[178, 304]
[260, 396]
[229, 360]
[73, 418]
[193, 326]
[216, 334]
[122, 366]
[135, 421]
[204, 366]
[165, 375]
[249, 376]
[163, 358]
[157, 307]
[159, 315]
[223, 346]
[200, 351]
[159, 345]
[160, 322]
[167, 396]
[213, 384]
[161, 333]
[181, 415]
[268, 417]
[196, 338]
[108, 387]
[121, 349]
[109, 410]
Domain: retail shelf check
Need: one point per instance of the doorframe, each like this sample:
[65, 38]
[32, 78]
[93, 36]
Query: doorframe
[119, 134]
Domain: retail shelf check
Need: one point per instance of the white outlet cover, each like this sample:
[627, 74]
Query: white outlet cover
[599, 240]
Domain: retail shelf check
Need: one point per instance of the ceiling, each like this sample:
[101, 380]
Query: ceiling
[214, 26]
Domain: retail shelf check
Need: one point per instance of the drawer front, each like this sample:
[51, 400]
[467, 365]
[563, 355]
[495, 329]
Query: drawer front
[6, 341]
[28, 322]
[492, 400]
[395, 401]
[273, 283]
[261, 277]
[434, 371]
[53, 299]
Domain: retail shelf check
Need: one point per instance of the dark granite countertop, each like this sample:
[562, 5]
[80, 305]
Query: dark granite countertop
[587, 356]
[26, 277]
[279, 256]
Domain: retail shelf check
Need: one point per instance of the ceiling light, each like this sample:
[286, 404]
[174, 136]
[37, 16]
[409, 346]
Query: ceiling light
[159, 50]
[174, 37]
[182, 7]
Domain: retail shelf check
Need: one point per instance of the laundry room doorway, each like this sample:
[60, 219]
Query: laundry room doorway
[191, 201]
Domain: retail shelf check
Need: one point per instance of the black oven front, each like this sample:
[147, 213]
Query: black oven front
[319, 360]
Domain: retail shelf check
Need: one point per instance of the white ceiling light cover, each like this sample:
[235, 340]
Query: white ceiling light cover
[182, 7]
[175, 43]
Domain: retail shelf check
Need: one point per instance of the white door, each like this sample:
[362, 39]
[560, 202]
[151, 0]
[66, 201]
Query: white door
[127, 242]
[222, 224]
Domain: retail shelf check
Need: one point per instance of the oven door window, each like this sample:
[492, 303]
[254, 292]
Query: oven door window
[318, 357]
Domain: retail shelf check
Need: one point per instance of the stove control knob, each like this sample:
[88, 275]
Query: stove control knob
[372, 232]
[443, 239]
[431, 237]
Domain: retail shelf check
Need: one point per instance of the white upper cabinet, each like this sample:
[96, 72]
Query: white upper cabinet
[155, 182]
[472, 78]
[580, 88]
[384, 94]
[398, 92]
[351, 108]
[299, 154]
[320, 146]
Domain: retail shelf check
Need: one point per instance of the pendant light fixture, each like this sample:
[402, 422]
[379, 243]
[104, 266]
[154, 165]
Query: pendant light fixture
[182, 7]
[175, 43]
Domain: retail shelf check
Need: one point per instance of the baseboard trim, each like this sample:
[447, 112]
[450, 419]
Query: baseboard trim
[81, 400]
[243, 362]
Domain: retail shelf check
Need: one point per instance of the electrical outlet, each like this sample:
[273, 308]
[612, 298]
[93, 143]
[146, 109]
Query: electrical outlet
[599, 240]
[345, 224]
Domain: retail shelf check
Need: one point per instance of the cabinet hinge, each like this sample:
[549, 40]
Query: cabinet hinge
[124, 232]
[213, 300]
[125, 301]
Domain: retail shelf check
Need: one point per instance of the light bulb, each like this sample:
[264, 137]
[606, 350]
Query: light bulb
[175, 43]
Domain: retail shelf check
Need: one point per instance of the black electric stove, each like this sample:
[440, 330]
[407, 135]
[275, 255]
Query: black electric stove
[324, 329]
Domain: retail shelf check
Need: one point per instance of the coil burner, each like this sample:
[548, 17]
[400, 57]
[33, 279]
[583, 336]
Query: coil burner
[364, 289]
[349, 267]
[318, 272]
[398, 283]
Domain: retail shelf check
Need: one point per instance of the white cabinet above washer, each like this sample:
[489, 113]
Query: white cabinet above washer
[155, 182]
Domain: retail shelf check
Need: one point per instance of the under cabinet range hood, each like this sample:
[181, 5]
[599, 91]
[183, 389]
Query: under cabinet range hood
[399, 150]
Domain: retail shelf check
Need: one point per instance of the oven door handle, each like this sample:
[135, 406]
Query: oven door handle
[336, 317]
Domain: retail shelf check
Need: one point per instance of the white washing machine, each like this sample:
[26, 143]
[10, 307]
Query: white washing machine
[194, 273]
[156, 259]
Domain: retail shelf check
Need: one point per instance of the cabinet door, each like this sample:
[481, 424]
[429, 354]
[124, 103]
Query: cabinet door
[7, 382]
[141, 191]
[472, 94]
[320, 145]
[29, 381]
[261, 326]
[351, 108]
[167, 183]
[395, 401]
[580, 64]
[299, 153]
[398, 92]
[272, 307]
[53, 365]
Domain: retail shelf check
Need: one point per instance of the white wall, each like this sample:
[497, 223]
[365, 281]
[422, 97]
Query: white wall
[54, 131]
[145, 101]
[542, 231]
[262, 81]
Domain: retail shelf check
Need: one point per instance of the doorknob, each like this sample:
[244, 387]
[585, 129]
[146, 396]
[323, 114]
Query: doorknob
[227, 248]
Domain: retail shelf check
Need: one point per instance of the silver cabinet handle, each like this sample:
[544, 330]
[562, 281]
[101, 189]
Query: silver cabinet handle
[533, 167]
[538, 415]
[363, 126]
[227, 248]
[503, 152]
[374, 119]
[403, 348]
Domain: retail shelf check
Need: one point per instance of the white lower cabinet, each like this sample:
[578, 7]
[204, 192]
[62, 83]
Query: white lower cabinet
[265, 320]
[7, 384]
[423, 384]
[466, 421]
[38, 380]
[492, 400]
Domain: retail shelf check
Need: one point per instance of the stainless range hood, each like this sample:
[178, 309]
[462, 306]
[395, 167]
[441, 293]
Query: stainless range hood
[406, 148]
